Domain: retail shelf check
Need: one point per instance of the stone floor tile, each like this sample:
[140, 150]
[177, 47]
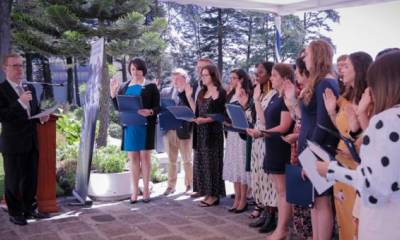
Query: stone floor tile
[210, 220]
[173, 220]
[154, 229]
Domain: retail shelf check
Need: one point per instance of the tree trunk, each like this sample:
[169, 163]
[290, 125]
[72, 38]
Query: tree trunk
[76, 83]
[47, 90]
[5, 31]
[70, 81]
[104, 104]
[123, 69]
[220, 39]
[28, 67]
[250, 33]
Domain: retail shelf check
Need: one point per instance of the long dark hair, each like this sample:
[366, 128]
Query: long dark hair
[244, 80]
[383, 78]
[360, 61]
[215, 78]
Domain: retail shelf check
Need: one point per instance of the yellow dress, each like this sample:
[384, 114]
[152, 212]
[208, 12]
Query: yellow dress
[345, 195]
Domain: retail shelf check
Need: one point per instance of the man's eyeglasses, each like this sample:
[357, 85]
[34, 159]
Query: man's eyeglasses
[16, 66]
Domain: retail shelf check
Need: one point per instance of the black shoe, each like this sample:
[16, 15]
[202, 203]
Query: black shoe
[260, 221]
[269, 225]
[241, 210]
[232, 210]
[35, 214]
[18, 220]
[146, 200]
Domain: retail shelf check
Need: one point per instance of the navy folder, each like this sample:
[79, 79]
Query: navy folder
[128, 103]
[237, 116]
[216, 117]
[298, 190]
[182, 113]
[166, 102]
[132, 119]
[272, 134]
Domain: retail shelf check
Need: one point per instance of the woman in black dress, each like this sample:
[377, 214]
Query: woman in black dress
[209, 143]
[278, 120]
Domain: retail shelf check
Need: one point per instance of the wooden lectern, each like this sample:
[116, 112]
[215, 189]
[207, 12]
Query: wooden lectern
[46, 188]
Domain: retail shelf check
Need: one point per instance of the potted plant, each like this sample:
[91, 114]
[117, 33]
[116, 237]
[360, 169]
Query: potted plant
[109, 180]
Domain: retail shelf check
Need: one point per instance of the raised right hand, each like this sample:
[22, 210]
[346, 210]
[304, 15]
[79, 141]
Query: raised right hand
[330, 101]
[26, 97]
[188, 91]
[289, 91]
[257, 92]
[114, 85]
[365, 102]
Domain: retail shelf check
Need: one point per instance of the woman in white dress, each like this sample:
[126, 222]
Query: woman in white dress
[235, 151]
[377, 178]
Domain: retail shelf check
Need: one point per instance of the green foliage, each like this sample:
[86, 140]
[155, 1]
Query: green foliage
[109, 159]
[115, 130]
[65, 176]
[69, 125]
[156, 174]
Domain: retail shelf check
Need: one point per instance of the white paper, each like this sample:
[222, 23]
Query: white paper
[320, 152]
[308, 161]
[46, 112]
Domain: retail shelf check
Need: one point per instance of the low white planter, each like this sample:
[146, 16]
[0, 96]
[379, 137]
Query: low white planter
[110, 186]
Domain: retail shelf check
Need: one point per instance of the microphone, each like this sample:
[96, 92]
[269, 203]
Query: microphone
[47, 84]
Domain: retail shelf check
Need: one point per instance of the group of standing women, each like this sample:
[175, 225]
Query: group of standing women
[285, 108]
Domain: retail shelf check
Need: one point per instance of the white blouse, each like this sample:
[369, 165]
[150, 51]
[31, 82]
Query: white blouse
[377, 178]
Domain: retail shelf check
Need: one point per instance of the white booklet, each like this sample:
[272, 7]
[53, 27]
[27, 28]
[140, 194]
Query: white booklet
[319, 151]
[46, 112]
[308, 161]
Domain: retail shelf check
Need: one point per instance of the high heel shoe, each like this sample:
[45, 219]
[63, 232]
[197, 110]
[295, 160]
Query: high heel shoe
[244, 209]
[232, 210]
[206, 204]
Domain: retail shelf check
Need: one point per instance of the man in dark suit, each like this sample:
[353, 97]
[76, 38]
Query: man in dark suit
[19, 141]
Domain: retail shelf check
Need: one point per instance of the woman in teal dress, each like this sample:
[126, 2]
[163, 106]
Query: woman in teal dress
[138, 140]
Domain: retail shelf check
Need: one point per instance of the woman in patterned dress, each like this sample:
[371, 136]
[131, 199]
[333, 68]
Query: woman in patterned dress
[235, 151]
[262, 187]
[209, 149]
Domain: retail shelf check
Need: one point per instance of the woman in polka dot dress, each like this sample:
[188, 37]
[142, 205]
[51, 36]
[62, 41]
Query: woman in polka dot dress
[377, 178]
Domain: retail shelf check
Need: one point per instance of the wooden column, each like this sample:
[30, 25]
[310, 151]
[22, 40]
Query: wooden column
[46, 189]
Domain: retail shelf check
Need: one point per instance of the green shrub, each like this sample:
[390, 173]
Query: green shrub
[115, 130]
[65, 177]
[156, 174]
[69, 125]
[109, 159]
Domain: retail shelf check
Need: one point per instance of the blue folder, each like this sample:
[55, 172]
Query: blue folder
[132, 119]
[237, 116]
[166, 102]
[128, 103]
[216, 117]
[298, 190]
[182, 113]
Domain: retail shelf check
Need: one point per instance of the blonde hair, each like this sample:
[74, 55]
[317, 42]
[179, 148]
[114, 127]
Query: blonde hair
[182, 72]
[322, 55]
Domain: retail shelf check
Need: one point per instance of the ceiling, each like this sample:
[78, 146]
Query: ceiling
[280, 7]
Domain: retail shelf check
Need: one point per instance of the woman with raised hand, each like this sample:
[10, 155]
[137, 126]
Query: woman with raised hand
[377, 178]
[235, 151]
[209, 148]
[318, 59]
[262, 186]
[277, 122]
[341, 111]
[138, 140]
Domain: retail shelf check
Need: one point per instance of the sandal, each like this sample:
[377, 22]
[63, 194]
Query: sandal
[256, 212]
